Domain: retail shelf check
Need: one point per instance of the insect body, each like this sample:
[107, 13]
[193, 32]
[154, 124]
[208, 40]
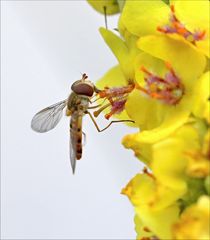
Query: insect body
[77, 105]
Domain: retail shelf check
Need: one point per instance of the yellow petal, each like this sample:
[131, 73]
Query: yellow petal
[198, 157]
[195, 16]
[140, 142]
[168, 164]
[169, 156]
[151, 63]
[148, 113]
[187, 63]
[159, 222]
[203, 94]
[125, 52]
[143, 151]
[142, 230]
[142, 17]
[145, 191]
[114, 77]
[158, 118]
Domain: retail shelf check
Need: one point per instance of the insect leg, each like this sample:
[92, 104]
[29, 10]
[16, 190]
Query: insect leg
[97, 100]
[101, 130]
[96, 106]
[99, 105]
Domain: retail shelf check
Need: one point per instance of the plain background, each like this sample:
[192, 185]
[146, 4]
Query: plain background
[45, 46]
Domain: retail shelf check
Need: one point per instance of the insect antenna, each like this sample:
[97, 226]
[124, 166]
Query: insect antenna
[84, 76]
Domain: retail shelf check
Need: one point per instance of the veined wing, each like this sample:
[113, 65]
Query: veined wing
[75, 144]
[48, 118]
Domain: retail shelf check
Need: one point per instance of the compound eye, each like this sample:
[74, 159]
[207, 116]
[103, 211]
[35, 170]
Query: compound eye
[83, 89]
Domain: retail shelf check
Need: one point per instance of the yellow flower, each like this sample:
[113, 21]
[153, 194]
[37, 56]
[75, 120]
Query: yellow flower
[111, 6]
[160, 222]
[186, 21]
[142, 17]
[172, 104]
[194, 222]
[165, 92]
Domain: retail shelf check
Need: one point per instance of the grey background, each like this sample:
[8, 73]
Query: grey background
[45, 45]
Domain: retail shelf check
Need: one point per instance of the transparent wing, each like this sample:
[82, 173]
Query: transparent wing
[48, 118]
[72, 150]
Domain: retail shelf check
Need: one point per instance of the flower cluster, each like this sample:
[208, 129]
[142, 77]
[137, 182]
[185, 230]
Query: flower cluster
[162, 83]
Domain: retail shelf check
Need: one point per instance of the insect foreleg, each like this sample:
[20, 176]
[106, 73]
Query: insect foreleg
[96, 106]
[101, 130]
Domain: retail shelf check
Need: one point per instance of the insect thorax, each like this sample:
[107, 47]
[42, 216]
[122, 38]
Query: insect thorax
[77, 103]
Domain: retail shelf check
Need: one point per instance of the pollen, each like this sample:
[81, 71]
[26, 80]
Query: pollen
[168, 89]
[176, 26]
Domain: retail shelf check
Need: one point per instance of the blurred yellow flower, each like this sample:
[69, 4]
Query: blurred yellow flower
[189, 21]
[110, 6]
[143, 232]
[176, 181]
[194, 222]
[153, 203]
[184, 152]
[186, 21]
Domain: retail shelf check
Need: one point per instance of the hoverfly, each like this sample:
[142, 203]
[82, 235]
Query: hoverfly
[77, 105]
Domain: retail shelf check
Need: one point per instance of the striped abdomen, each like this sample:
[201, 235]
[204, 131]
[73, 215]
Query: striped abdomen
[76, 134]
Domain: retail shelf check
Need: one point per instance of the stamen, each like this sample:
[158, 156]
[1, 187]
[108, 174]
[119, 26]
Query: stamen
[168, 89]
[117, 97]
[96, 113]
[117, 107]
[146, 229]
[175, 26]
